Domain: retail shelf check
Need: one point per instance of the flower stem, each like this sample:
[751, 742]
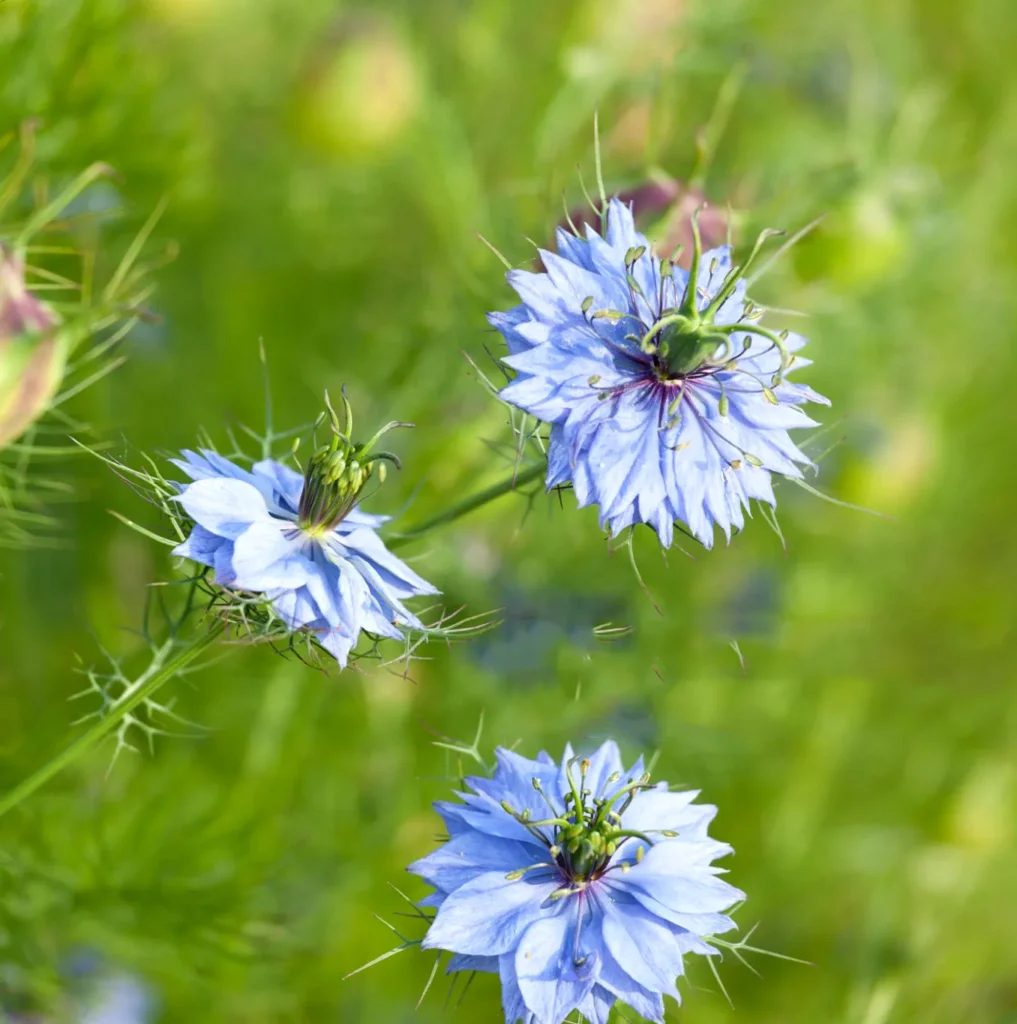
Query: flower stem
[522, 476]
[163, 666]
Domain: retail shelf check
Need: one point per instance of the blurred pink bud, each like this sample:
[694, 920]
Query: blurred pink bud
[31, 357]
[667, 206]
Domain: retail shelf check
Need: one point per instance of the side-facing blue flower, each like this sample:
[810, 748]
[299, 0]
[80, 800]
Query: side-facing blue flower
[301, 541]
[667, 403]
[580, 884]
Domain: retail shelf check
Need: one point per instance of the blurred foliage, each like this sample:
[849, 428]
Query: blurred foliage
[328, 169]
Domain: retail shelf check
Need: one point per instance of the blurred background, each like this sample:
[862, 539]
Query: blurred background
[328, 168]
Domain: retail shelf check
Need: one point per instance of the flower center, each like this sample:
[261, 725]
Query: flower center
[678, 346]
[338, 472]
[334, 479]
[588, 833]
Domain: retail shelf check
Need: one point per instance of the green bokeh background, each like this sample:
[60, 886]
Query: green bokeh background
[328, 169]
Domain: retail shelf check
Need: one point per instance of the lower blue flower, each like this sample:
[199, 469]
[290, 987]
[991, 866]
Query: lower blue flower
[579, 884]
[332, 578]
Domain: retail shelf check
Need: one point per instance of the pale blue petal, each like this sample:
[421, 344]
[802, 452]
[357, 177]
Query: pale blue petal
[395, 577]
[512, 1002]
[662, 809]
[642, 944]
[553, 979]
[507, 325]
[461, 962]
[225, 574]
[287, 485]
[647, 1002]
[466, 856]
[200, 546]
[488, 915]
[225, 507]
[267, 555]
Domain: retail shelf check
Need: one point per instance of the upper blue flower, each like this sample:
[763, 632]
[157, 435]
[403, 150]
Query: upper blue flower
[581, 885]
[302, 542]
[666, 404]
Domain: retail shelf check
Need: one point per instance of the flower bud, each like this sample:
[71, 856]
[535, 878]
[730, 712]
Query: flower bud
[664, 207]
[32, 359]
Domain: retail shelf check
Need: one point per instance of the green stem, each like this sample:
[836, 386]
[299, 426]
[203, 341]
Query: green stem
[161, 668]
[523, 476]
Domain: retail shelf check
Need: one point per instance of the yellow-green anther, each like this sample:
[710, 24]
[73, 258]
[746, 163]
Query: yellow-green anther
[633, 254]
[587, 303]
[723, 404]
[770, 396]
[640, 853]
[337, 473]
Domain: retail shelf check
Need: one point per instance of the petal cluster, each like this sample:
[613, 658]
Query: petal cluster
[333, 583]
[644, 445]
[509, 904]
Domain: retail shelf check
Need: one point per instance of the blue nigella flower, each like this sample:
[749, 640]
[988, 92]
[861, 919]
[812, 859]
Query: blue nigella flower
[580, 885]
[666, 403]
[302, 541]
